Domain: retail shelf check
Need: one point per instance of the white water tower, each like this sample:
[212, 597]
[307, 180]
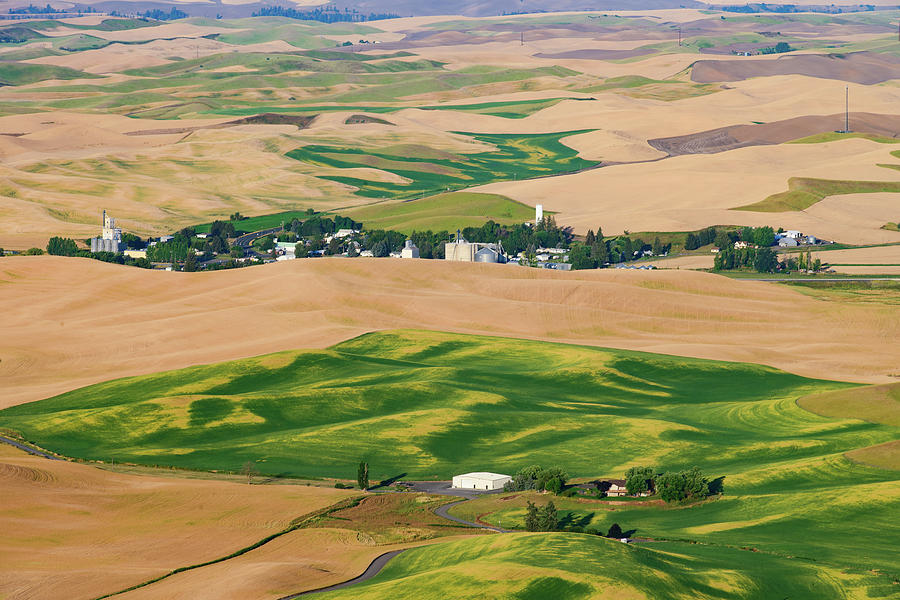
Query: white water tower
[538, 214]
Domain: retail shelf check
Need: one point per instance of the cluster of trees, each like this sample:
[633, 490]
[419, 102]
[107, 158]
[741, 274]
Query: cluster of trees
[161, 15]
[538, 478]
[329, 14]
[596, 252]
[639, 480]
[60, 246]
[682, 486]
[761, 260]
[183, 243]
[779, 48]
[541, 519]
[803, 262]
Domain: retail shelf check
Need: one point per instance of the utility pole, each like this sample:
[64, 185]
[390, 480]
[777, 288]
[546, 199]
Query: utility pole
[847, 111]
[679, 37]
[523, 38]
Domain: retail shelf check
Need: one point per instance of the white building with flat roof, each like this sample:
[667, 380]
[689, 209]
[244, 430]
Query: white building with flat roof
[480, 481]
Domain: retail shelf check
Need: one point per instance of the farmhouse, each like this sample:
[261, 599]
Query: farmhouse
[614, 487]
[481, 481]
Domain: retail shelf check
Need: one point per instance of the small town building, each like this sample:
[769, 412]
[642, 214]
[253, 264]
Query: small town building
[480, 481]
[136, 254]
[409, 250]
[788, 242]
[460, 250]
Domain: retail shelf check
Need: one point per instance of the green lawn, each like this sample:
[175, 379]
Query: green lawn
[803, 192]
[559, 566]
[444, 212]
[516, 156]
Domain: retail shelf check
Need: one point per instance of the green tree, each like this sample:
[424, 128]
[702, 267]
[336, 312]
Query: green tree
[190, 262]
[236, 251]
[691, 242]
[580, 258]
[764, 236]
[782, 47]
[590, 238]
[547, 518]
[33, 252]
[60, 246]
[765, 260]
[2, 252]
[638, 480]
[554, 485]
[723, 240]
[615, 531]
[532, 521]
[362, 475]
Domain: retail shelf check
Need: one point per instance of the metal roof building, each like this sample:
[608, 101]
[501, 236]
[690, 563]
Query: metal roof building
[481, 481]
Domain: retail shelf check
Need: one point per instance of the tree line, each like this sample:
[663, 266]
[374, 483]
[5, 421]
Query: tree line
[672, 487]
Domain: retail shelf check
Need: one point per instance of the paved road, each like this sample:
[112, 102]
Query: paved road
[443, 511]
[246, 240]
[374, 568]
[381, 561]
[27, 449]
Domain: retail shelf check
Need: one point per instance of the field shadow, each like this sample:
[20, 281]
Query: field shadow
[388, 482]
[717, 486]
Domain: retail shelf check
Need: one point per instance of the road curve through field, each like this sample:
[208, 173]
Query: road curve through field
[373, 569]
[27, 449]
[381, 561]
[443, 511]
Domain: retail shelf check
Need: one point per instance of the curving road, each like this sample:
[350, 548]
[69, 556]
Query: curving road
[373, 569]
[443, 511]
[381, 561]
[27, 449]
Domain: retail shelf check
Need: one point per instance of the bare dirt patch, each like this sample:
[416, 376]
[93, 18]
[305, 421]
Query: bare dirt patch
[777, 132]
[857, 67]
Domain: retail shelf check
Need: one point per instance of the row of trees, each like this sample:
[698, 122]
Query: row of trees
[761, 260]
[535, 477]
[323, 15]
[60, 246]
[672, 487]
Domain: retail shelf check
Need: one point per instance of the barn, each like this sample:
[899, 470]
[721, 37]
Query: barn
[480, 481]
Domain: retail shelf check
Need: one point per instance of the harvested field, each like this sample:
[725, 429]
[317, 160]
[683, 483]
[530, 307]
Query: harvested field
[64, 304]
[778, 132]
[78, 532]
[857, 67]
[884, 456]
[876, 404]
[596, 54]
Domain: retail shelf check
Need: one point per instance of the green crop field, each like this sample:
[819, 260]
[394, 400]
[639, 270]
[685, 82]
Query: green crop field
[516, 156]
[560, 566]
[803, 192]
[429, 404]
[444, 212]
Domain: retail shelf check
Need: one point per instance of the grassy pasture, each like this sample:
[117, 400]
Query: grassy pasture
[803, 192]
[15, 73]
[516, 156]
[575, 567]
[444, 212]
